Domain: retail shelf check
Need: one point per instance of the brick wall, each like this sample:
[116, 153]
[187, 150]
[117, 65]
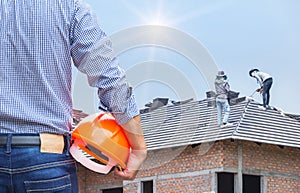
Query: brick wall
[282, 185]
[189, 169]
[181, 160]
[267, 157]
[194, 184]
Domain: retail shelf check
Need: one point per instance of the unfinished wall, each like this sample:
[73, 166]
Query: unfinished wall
[194, 169]
[282, 184]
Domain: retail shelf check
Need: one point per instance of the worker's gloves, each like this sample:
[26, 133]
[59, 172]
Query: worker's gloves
[259, 90]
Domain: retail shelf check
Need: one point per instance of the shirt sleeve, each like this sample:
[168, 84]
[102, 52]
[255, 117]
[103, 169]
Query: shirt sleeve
[93, 55]
[227, 87]
[258, 78]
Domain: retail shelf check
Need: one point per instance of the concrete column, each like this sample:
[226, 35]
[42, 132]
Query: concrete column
[239, 185]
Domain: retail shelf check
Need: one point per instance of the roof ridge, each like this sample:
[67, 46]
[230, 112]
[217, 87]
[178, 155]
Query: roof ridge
[241, 117]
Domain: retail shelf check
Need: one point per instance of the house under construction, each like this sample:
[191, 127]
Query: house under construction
[189, 152]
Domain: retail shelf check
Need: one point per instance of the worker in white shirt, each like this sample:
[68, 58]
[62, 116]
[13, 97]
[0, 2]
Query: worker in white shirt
[265, 81]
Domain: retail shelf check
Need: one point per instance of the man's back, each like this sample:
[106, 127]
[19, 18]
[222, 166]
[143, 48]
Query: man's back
[40, 40]
[35, 65]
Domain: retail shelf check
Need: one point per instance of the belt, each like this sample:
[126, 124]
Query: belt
[23, 140]
[20, 140]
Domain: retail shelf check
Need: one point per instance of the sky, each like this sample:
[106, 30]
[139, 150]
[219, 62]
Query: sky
[173, 48]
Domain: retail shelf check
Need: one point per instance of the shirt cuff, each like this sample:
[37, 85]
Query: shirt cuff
[130, 112]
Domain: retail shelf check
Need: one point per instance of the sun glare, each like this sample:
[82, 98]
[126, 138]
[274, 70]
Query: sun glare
[159, 20]
[157, 16]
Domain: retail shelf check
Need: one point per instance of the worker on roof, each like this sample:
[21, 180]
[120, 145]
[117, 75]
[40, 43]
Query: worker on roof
[222, 91]
[265, 81]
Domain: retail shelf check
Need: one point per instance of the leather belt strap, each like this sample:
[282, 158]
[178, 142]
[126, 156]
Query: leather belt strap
[19, 140]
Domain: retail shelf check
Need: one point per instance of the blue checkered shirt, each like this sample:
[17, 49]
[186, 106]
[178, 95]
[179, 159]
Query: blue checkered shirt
[40, 41]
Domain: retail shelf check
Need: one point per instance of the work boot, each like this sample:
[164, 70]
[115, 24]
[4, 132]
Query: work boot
[262, 108]
[227, 125]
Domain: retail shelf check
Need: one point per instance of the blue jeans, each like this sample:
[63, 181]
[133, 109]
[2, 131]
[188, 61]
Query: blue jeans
[25, 169]
[222, 104]
[266, 91]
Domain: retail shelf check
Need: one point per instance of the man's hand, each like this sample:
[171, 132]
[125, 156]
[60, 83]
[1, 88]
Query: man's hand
[259, 90]
[135, 160]
[138, 154]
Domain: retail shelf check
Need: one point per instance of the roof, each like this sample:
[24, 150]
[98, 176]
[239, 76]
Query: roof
[196, 122]
[293, 116]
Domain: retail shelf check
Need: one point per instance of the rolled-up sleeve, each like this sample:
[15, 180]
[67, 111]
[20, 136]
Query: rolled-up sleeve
[93, 55]
[258, 79]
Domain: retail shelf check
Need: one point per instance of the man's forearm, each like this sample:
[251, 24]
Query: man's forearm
[134, 133]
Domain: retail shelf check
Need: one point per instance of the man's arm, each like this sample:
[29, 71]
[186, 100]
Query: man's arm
[134, 134]
[258, 78]
[93, 55]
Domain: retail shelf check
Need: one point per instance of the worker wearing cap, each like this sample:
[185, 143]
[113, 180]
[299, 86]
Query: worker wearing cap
[265, 81]
[222, 90]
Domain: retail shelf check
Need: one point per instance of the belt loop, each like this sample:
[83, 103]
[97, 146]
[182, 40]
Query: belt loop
[68, 138]
[8, 143]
